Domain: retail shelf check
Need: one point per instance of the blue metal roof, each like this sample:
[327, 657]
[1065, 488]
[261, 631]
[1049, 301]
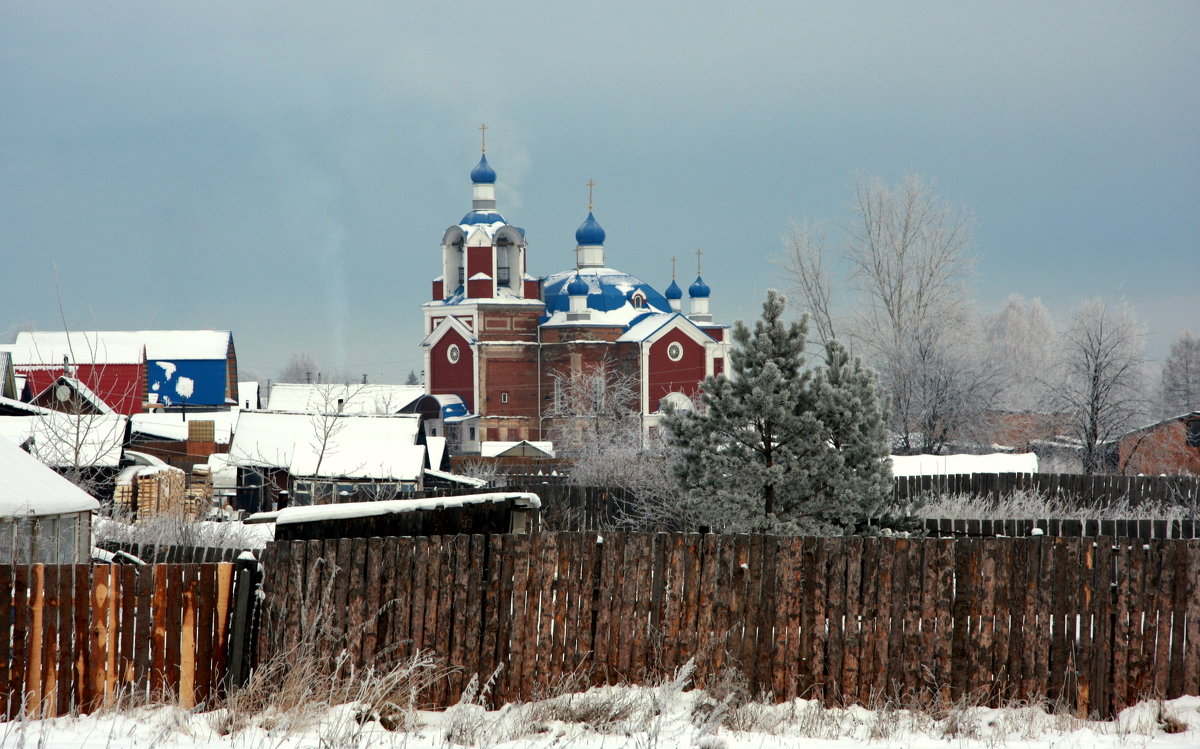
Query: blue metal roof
[589, 232]
[699, 289]
[483, 174]
[606, 291]
[673, 291]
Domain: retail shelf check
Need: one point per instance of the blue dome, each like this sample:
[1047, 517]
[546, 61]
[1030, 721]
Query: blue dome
[698, 289]
[482, 217]
[577, 287]
[589, 232]
[483, 173]
[673, 291]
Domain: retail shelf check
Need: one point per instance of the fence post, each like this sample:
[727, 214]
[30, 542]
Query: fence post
[248, 581]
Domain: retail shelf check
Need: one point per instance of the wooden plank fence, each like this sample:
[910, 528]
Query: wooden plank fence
[1143, 528]
[173, 554]
[76, 637]
[1075, 489]
[1092, 624]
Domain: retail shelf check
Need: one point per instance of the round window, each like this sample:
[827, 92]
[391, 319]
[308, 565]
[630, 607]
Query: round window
[452, 353]
[675, 351]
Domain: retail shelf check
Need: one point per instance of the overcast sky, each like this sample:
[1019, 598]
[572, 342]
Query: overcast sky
[286, 170]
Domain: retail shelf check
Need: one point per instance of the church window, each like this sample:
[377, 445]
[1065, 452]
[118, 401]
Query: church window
[504, 397]
[453, 354]
[675, 351]
[639, 301]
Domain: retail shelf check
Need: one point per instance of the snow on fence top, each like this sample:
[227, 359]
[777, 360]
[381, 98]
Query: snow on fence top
[346, 510]
[952, 465]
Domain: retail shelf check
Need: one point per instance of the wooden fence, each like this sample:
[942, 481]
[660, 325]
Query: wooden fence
[1143, 528]
[174, 554]
[74, 637]
[1094, 624]
[1075, 489]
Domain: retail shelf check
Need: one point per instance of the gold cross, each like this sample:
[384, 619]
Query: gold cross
[483, 130]
[591, 184]
[698, 254]
[673, 267]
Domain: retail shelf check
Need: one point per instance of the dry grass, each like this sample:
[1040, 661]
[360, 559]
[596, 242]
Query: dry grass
[296, 688]
[1033, 504]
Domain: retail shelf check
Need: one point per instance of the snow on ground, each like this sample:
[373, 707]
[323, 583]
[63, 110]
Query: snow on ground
[609, 718]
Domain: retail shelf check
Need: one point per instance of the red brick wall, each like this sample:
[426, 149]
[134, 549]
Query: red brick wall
[446, 378]
[1163, 449]
[668, 376]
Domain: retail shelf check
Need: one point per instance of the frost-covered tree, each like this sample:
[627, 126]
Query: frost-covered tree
[1102, 385]
[849, 407]
[905, 256]
[1019, 341]
[778, 446]
[1180, 392]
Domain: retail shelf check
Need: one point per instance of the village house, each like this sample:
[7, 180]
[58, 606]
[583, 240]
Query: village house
[134, 371]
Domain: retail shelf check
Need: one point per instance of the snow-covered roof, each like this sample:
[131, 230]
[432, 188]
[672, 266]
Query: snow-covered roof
[610, 297]
[372, 447]
[48, 349]
[346, 510]
[456, 478]
[173, 426]
[650, 325]
[119, 346]
[16, 405]
[29, 487]
[356, 399]
[64, 440]
[504, 296]
[223, 472]
[949, 465]
[525, 448]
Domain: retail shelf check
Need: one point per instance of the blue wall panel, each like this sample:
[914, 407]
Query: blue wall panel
[207, 378]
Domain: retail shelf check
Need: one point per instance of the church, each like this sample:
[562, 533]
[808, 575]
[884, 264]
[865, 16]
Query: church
[499, 341]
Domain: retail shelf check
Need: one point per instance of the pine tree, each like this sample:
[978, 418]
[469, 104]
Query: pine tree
[848, 405]
[778, 446]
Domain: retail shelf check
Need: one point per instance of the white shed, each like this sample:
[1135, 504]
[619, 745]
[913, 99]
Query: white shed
[43, 517]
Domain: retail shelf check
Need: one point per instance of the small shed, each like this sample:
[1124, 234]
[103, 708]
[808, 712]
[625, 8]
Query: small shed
[495, 512]
[44, 518]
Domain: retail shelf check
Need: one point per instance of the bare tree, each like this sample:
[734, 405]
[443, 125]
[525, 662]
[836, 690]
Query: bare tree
[302, 367]
[1180, 393]
[595, 422]
[908, 254]
[1102, 381]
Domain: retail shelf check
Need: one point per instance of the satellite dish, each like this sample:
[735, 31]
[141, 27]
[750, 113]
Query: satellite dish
[62, 393]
